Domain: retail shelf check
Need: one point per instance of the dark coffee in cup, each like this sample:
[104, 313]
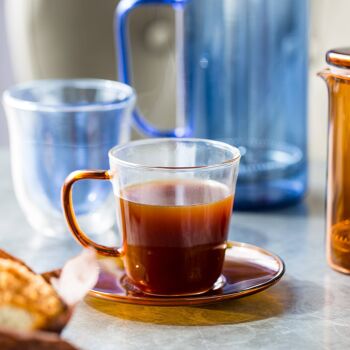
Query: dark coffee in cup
[174, 234]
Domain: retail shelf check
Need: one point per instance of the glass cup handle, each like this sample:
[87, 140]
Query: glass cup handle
[67, 204]
[123, 9]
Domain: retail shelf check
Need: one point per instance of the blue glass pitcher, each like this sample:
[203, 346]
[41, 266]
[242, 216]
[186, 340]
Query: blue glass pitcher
[242, 77]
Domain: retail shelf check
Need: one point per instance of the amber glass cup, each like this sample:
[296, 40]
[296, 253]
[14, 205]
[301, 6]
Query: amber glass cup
[337, 77]
[174, 202]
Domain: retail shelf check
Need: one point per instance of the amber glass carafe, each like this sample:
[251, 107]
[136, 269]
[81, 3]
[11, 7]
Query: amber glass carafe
[337, 77]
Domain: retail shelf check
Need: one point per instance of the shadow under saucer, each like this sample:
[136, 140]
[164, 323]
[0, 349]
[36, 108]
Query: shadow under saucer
[284, 298]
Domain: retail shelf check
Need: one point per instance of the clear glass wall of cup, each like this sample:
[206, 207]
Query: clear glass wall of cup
[55, 127]
[174, 199]
[242, 79]
[337, 78]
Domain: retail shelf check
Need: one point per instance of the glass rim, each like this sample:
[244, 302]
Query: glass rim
[236, 155]
[335, 72]
[18, 103]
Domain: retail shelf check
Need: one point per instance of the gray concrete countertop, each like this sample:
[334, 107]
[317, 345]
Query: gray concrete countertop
[308, 309]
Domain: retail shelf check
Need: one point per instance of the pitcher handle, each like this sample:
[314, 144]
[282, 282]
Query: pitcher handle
[67, 204]
[122, 11]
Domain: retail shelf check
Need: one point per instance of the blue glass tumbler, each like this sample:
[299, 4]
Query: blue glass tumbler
[56, 127]
[242, 79]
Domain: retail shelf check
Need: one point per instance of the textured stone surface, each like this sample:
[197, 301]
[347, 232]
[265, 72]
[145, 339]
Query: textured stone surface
[308, 309]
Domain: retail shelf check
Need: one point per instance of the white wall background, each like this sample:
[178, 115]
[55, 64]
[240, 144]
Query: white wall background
[330, 27]
[6, 77]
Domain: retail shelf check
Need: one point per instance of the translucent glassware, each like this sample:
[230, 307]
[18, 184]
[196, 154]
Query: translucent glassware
[57, 126]
[337, 78]
[242, 79]
[174, 199]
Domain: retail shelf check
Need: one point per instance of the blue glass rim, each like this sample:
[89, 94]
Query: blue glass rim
[11, 96]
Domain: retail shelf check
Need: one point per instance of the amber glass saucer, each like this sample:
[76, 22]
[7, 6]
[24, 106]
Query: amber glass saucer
[247, 270]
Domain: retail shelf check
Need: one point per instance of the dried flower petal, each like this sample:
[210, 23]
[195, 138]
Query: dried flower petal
[78, 276]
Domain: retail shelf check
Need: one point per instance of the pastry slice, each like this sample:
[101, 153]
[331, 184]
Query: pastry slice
[27, 300]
